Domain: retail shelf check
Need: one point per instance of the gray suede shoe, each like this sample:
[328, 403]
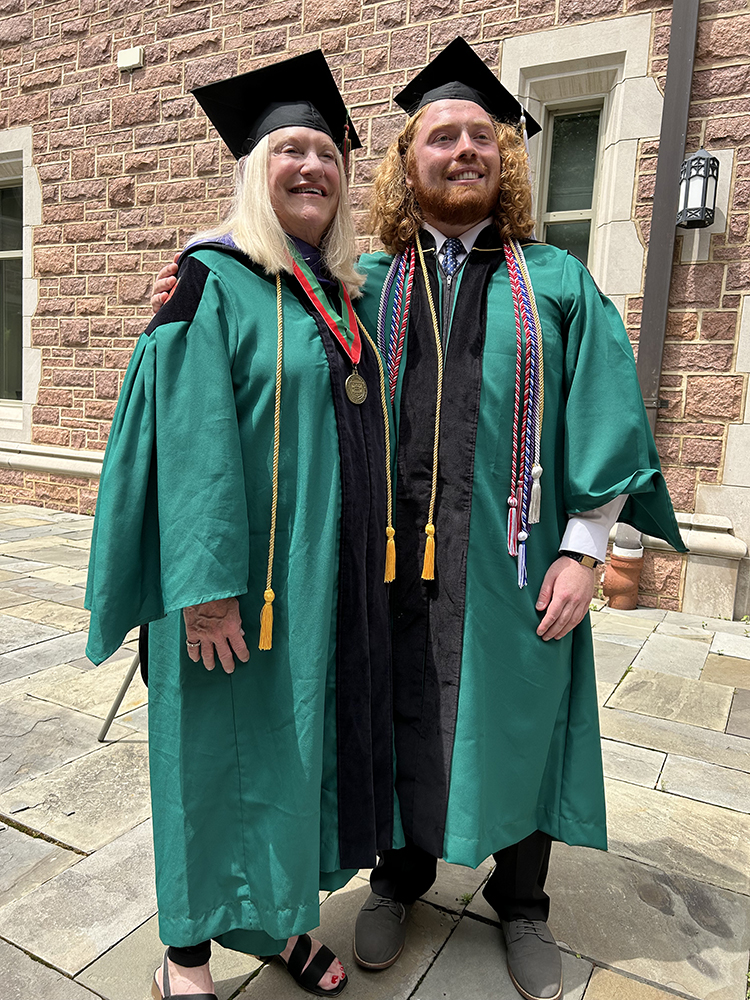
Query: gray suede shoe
[534, 961]
[380, 932]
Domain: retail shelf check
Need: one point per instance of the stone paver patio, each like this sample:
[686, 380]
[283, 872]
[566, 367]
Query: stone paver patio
[663, 914]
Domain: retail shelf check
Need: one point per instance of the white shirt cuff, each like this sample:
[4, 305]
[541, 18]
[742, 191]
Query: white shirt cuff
[588, 533]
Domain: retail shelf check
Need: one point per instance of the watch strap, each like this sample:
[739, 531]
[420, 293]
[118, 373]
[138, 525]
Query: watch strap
[582, 558]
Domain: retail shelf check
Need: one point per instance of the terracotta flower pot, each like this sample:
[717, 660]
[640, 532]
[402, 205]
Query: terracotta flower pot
[621, 580]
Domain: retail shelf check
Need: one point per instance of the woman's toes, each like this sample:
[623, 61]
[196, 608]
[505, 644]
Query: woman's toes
[333, 976]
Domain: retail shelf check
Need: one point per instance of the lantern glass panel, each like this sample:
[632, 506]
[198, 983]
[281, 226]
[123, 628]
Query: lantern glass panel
[711, 192]
[684, 188]
[695, 191]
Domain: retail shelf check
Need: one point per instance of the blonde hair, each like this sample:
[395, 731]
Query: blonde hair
[395, 215]
[255, 228]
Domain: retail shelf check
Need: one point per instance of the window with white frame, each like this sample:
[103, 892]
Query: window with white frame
[584, 67]
[11, 276]
[567, 214]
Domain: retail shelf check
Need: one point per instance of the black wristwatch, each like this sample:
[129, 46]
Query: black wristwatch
[579, 557]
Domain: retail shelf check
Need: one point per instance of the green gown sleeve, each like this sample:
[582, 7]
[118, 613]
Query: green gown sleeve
[609, 447]
[171, 524]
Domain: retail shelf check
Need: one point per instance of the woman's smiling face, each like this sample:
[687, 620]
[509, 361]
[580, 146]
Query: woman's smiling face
[303, 180]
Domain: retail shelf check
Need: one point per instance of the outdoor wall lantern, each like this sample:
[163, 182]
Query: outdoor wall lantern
[699, 175]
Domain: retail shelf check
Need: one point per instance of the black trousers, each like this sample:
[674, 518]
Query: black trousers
[192, 956]
[515, 889]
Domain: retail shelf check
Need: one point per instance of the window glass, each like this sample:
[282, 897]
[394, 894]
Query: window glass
[11, 382]
[11, 276]
[11, 218]
[571, 236]
[573, 161]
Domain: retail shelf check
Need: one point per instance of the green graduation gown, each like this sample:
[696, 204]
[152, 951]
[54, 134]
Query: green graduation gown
[277, 780]
[497, 731]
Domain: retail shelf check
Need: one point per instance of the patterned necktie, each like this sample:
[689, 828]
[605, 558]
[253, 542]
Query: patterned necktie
[451, 249]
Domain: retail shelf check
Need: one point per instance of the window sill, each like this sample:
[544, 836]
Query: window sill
[11, 415]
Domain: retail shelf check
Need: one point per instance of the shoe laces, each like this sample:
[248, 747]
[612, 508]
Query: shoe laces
[526, 926]
[396, 908]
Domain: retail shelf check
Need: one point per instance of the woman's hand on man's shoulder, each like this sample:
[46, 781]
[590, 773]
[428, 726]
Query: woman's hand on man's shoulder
[166, 279]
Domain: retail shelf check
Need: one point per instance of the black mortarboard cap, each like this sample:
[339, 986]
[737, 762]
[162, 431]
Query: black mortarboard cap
[297, 91]
[458, 74]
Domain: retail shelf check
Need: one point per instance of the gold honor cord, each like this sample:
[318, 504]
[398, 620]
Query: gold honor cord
[390, 548]
[540, 344]
[266, 615]
[428, 568]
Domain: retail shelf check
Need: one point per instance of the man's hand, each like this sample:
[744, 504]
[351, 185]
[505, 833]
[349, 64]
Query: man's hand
[165, 282]
[566, 594]
[216, 624]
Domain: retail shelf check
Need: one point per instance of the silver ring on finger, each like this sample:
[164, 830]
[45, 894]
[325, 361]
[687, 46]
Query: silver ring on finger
[192, 645]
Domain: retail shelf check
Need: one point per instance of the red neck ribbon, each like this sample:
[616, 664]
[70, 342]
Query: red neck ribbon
[353, 350]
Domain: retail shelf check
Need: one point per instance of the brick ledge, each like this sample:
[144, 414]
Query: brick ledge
[21, 457]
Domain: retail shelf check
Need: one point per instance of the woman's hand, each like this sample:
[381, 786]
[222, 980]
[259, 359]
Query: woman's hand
[216, 624]
[164, 284]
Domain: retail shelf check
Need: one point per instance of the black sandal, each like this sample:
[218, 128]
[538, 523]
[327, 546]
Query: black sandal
[157, 994]
[308, 978]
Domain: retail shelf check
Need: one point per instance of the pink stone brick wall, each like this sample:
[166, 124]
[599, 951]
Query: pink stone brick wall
[704, 392]
[129, 169]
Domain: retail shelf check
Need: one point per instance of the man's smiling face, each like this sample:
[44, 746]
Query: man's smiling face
[453, 166]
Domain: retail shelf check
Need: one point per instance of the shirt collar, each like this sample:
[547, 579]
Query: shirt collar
[468, 238]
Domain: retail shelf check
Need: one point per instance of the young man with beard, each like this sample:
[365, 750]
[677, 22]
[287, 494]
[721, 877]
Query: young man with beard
[521, 437]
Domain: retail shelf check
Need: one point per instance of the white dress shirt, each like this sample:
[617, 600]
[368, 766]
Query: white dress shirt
[587, 533]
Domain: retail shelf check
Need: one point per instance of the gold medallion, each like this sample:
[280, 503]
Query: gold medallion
[356, 388]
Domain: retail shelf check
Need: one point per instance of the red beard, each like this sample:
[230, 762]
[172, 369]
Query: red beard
[457, 207]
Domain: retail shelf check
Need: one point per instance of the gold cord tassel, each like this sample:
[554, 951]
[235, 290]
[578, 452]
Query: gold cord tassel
[266, 621]
[390, 555]
[266, 615]
[390, 545]
[428, 567]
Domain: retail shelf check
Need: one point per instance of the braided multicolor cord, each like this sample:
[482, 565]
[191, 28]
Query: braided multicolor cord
[528, 408]
[385, 295]
[400, 318]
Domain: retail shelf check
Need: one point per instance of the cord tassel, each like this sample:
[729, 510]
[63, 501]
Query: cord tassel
[535, 504]
[390, 555]
[428, 567]
[266, 621]
[522, 562]
[512, 526]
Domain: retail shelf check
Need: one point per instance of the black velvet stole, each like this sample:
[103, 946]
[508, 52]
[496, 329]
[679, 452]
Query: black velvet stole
[428, 616]
[364, 696]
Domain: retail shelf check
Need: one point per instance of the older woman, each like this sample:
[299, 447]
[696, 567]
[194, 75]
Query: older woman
[247, 468]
